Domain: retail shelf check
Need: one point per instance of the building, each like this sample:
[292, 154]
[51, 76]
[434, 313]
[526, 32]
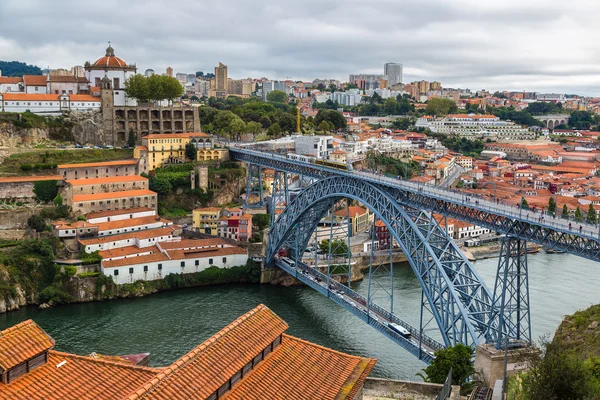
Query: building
[219, 83]
[269, 86]
[116, 71]
[21, 187]
[85, 203]
[359, 217]
[382, 235]
[161, 150]
[393, 73]
[74, 187]
[477, 126]
[205, 220]
[11, 84]
[169, 72]
[315, 146]
[140, 239]
[48, 103]
[149, 72]
[251, 358]
[236, 227]
[69, 84]
[98, 169]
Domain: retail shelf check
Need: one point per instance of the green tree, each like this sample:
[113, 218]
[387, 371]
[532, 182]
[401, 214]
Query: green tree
[458, 358]
[37, 223]
[323, 126]
[565, 211]
[136, 87]
[131, 140]
[578, 214]
[437, 106]
[274, 130]
[524, 203]
[551, 205]
[333, 116]
[45, 190]
[260, 221]
[161, 185]
[254, 128]
[391, 106]
[58, 200]
[339, 247]
[287, 123]
[171, 88]
[190, 152]
[591, 216]
[277, 96]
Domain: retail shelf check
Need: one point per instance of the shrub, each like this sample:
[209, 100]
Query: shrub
[91, 274]
[45, 190]
[26, 167]
[37, 223]
[70, 270]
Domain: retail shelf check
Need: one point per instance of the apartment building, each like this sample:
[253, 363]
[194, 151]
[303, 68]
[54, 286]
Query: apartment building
[205, 220]
[85, 203]
[98, 169]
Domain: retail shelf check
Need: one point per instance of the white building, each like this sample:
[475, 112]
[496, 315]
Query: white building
[140, 239]
[116, 71]
[48, 103]
[476, 126]
[350, 97]
[185, 257]
[315, 146]
[119, 215]
[10, 84]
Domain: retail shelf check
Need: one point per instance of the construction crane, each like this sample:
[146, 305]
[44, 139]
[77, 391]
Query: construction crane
[298, 128]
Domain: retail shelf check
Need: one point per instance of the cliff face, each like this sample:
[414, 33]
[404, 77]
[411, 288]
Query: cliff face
[581, 332]
[11, 136]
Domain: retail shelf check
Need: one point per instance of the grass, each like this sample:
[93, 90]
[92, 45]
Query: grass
[12, 165]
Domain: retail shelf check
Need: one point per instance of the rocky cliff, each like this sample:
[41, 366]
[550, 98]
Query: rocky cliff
[12, 136]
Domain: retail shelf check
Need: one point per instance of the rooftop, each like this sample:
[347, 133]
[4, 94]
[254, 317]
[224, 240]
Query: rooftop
[22, 342]
[110, 179]
[113, 195]
[98, 164]
[22, 179]
[111, 213]
[145, 234]
[175, 135]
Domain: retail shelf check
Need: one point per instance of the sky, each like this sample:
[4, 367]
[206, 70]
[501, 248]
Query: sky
[534, 45]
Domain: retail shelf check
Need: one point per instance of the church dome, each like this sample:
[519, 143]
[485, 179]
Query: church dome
[110, 60]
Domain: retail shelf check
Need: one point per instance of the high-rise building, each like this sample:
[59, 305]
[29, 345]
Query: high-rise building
[393, 72]
[170, 72]
[149, 72]
[221, 77]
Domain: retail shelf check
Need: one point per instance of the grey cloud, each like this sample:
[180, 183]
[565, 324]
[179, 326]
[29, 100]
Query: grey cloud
[544, 45]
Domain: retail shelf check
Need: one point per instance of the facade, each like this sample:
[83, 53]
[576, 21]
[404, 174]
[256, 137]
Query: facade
[351, 97]
[48, 103]
[98, 169]
[477, 126]
[219, 83]
[269, 86]
[21, 187]
[235, 227]
[205, 220]
[139, 239]
[90, 186]
[360, 218]
[256, 359]
[382, 235]
[315, 146]
[86, 203]
[35, 84]
[393, 72]
[113, 70]
[11, 84]
[69, 84]
[119, 215]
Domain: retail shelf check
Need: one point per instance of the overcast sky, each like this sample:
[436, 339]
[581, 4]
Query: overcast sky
[541, 45]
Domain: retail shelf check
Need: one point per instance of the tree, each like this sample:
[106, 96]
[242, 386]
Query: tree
[155, 88]
[277, 96]
[351, 86]
[391, 106]
[565, 211]
[524, 203]
[559, 373]
[260, 221]
[287, 123]
[323, 126]
[161, 185]
[171, 88]
[131, 140]
[551, 205]
[45, 190]
[339, 248]
[274, 130]
[58, 200]
[437, 106]
[591, 215]
[36, 222]
[458, 358]
[199, 74]
[190, 152]
[578, 214]
[254, 128]
[333, 116]
[136, 87]
[17, 68]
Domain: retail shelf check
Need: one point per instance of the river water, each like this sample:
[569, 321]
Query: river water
[171, 323]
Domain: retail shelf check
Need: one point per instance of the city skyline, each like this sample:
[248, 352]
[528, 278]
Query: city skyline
[505, 45]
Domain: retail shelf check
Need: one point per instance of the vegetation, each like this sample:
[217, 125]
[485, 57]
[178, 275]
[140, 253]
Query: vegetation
[333, 118]
[518, 117]
[458, 358]
[277, 96]
[565, 211]
[461, 145]
[17, 68]
[543, 107]
[391, 166]
[131, 139]
[154, 88]
[578, 214]
[190, 152]
[45, 190]
[439, 107]
[339, 247]
[59, 128]
[524, 203]
[551, 205]
[39, 221]
[260, 221]
[41, 159]
[591, 214]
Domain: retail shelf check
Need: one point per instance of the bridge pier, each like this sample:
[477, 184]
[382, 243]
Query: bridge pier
[254, 189]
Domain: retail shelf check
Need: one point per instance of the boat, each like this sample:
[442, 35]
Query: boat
[533, 250]
[554, 251]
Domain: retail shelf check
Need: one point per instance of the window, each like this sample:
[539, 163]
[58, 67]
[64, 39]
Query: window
[145, 268]
[116, 272]
[210, 261]
[160, 267]
[224, 260]
[131, 270]
[182, 264]
[197, 262]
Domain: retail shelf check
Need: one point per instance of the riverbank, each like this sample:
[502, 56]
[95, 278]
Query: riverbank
[492, 250]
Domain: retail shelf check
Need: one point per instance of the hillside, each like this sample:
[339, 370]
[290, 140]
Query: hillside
[17, 68]
[581, 332]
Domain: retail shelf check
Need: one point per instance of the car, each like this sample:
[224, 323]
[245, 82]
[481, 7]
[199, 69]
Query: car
[97, 147]
[108, 146]
[62, 147]
[86, 147]
[125, 147]
[184, 226]
[78, 146]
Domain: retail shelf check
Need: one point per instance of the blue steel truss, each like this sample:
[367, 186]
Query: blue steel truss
[459, 300]
[550, 233]
[254, 189]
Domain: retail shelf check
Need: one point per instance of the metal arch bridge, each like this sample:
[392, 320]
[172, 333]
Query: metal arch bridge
[463, 307]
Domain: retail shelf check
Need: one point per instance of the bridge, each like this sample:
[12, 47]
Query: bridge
[454, 296]
[552, 121]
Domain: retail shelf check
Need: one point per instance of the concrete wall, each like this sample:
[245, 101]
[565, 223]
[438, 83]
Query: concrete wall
[390, 388]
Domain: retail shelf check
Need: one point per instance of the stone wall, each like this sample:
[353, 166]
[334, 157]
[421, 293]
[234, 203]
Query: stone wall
[396, 389]
[16, 218]
[16, 190]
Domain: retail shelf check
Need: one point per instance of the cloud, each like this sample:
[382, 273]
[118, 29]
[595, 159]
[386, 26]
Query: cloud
[542, 45]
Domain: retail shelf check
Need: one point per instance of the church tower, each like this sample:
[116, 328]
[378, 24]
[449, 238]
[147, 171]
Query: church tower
[106, 96]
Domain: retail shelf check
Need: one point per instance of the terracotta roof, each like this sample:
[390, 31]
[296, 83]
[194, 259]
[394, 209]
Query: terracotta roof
[99, 164]
[145, 234]
[193, 243]
[109, 61]
[208, 209]
[30, 97]
[352, 211]
[111, 179]
[130, 222]
[174, 135]
[10, 79]
[127, 251]
[203, 370]
[147, 258]
[142, 148]
[110, 213]
[20, 179]
[112, 195]
[84, 97]
[34, 80]
[205, 253]
[22, 342]
[298, 369]
[68, 79]
[80, 377]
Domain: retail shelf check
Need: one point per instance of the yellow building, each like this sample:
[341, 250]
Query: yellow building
[205, 220]
[169, 148]
[360, 218]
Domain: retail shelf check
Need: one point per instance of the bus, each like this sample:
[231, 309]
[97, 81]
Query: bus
[399, 329]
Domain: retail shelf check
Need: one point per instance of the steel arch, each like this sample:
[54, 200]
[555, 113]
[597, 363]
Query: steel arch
[460, 301]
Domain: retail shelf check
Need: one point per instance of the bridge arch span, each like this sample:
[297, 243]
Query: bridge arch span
[459, 300]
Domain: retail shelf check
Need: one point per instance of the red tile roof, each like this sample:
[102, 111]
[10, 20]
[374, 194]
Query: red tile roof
[34, 80]
[30, 97]
[99, 164]
[10, 80]
[352, 211]
[21, 179]
[22, 342]
[110, 179]
[110, 213]
[174, 135]
[145, 234]
[113, 195]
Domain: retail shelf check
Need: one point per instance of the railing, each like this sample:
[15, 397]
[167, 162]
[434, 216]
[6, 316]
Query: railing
[447, 389]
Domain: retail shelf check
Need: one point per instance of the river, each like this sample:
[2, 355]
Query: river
[169, 324]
